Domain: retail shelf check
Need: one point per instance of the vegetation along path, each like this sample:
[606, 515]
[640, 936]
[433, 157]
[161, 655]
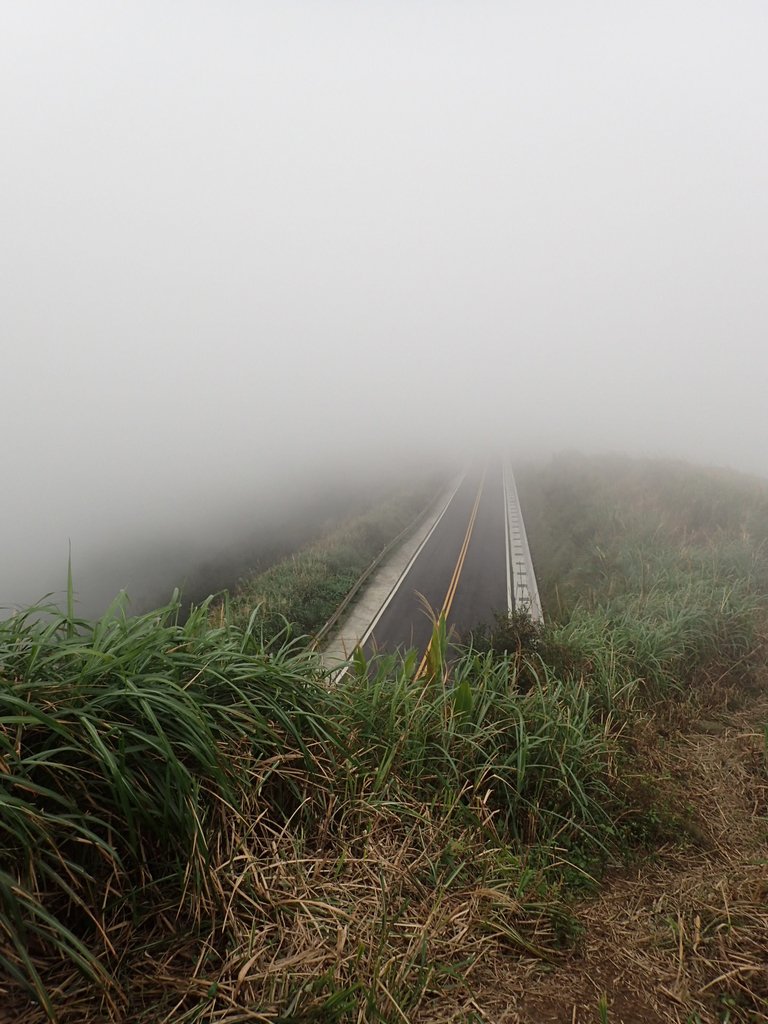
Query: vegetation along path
[567, 823]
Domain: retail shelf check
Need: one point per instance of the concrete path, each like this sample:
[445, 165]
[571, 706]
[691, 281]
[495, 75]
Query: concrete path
[352, 628]
[461, 571]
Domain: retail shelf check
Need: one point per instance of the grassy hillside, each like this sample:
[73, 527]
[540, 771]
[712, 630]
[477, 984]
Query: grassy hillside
[196, 827]
[302, 590]
[600, 528]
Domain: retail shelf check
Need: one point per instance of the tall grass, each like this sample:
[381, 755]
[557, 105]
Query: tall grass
[196, 825]
[124, 745]
[540, 759]
[149, 767]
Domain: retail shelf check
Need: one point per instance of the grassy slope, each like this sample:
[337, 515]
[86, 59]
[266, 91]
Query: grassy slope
[669, 564]
[196, 828]
[600, 528]
[304, 589]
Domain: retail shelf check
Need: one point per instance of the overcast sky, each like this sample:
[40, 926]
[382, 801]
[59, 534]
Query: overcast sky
[245, 241]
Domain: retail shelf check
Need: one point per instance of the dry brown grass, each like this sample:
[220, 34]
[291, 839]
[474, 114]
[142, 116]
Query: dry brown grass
[682, 937]
[386, 913]
[361, 921]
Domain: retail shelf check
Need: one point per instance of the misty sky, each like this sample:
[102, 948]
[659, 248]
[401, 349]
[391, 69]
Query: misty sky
[247, 241]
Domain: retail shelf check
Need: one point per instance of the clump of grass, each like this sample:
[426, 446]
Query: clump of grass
[202, 795]
[540, 759]
[124, 745]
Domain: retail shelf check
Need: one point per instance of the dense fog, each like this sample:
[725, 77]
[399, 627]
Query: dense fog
[259, 258]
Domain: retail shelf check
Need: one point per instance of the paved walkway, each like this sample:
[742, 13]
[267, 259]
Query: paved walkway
[343, 640]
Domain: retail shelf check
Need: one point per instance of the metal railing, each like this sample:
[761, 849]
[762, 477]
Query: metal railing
[522, 591]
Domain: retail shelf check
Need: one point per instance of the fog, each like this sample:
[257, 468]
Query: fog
[261, 257]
